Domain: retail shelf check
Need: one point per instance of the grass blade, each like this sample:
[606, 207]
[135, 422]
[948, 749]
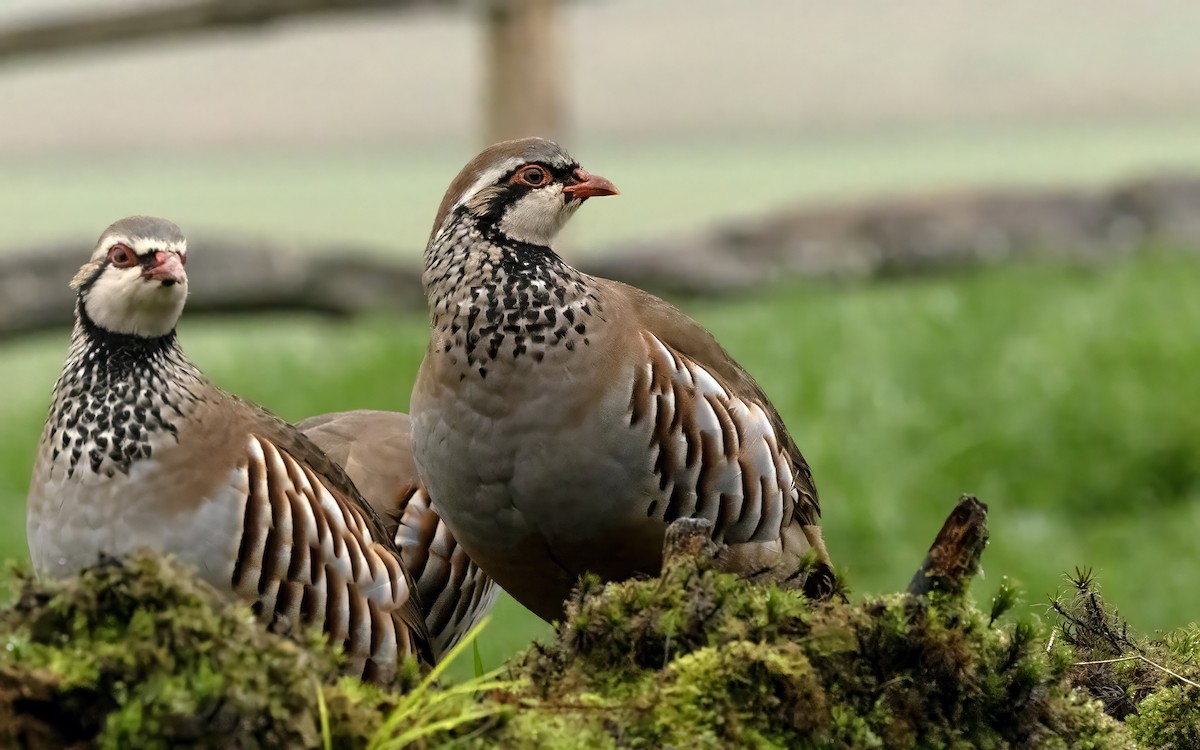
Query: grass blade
[323, 716]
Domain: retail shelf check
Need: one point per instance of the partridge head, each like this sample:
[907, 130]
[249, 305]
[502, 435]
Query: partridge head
[140, 450]
[135, 283]
[525, 189]
[561, 421]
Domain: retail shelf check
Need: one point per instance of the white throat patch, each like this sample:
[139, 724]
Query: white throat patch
[121, 301]
[538, 216]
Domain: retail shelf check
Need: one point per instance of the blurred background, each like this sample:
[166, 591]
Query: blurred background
[955, 240]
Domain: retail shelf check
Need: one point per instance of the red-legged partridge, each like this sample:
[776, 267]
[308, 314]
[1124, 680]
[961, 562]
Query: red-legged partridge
[562, 421]
[375, 449]
[140, 450]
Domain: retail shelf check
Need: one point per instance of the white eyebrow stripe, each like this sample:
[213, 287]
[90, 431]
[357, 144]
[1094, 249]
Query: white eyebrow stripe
[489, 177]
[144, 245]
[116, 239]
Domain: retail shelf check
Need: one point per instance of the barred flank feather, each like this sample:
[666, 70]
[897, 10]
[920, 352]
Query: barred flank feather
[307, 557]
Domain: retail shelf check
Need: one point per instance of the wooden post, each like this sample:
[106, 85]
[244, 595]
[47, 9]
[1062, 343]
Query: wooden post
[524, 69]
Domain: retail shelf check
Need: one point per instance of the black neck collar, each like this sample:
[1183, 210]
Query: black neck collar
[531, 255]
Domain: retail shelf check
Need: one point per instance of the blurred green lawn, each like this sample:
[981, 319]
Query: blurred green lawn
[385, 197]
[1066, 399]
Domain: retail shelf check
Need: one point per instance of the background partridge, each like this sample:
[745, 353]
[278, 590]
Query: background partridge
[562, 421]
[375, 449]
[140, 450]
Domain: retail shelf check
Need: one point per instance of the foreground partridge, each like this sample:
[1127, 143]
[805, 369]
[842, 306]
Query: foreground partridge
[140, 450]
[375, 449]
[562, 421]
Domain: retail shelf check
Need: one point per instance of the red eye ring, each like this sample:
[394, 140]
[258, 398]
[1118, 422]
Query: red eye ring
[122, 256]
[533, 176]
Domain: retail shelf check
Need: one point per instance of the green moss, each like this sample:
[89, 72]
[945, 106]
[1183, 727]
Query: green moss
[139, 654]
[142, 654]
[745, 692]
[703, 659]
[1144, 682]
[1169, 718]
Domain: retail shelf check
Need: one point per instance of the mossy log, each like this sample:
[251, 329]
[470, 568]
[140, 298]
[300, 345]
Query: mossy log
[139, 654]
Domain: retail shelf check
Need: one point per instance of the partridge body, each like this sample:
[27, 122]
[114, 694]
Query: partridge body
[140, 450]
[562, 421]
[375, 449]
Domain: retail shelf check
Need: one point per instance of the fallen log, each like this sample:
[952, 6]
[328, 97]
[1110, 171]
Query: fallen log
[884, 238]
[921, 234]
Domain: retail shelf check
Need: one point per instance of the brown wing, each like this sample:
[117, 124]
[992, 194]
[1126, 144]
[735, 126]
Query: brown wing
[689, 339]
[375, 449]
[314, 552]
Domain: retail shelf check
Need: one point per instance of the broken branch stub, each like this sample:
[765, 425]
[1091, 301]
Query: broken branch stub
[953, 559]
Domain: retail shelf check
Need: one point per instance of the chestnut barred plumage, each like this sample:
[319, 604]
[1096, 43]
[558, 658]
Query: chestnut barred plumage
[562, 421]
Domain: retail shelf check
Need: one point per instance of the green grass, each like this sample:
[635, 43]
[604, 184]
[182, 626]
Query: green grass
[1065, 399]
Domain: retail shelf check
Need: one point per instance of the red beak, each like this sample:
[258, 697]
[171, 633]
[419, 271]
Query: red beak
[590, 185]
[167, 268]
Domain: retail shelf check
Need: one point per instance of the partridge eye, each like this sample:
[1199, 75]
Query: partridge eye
[122, 256]
[533, 176]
